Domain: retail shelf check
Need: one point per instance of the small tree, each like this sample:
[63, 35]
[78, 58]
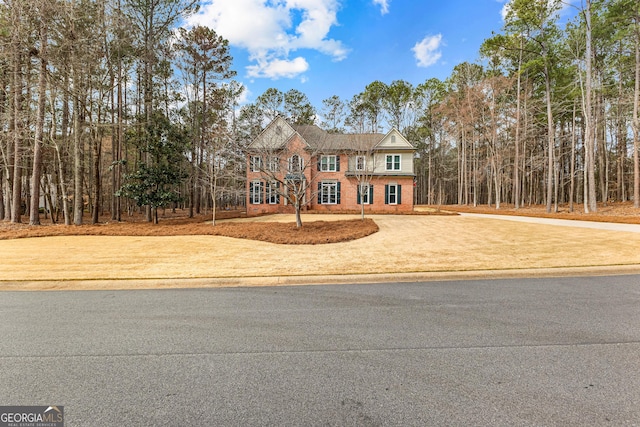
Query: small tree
[155, 183]
[363, 168]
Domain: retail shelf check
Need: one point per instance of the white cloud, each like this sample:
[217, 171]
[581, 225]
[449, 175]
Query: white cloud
[427, 51]
[505, 10]
[384, 5]
[271, 29]
[277, 68]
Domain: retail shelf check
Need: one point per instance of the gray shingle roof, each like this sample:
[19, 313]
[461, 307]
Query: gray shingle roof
[320, 139]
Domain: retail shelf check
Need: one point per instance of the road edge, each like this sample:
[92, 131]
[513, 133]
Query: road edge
[238, 282]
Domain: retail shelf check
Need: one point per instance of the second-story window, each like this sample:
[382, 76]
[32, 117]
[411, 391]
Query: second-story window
[256, 163]
[361, 163]
[274, 164]
[295, 164]
[328, 163]
[393, 162]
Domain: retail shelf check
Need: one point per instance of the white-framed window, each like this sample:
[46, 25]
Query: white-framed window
[256, 163]
[329, 193]
[361, 163]
[365, 194]
[273, 193]
[392, 194]
[273, 164]
[255, 192]
[296, 164]
[393, 162]
[328, 163]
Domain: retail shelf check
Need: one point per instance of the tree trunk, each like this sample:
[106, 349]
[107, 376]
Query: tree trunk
[572, 186]
[16, 208]
[97, 154]
[636, 125]
[37, 146]
[78, 203]
[298, 217]
[551, 138]
[214, 188]
[516, 157]
[590, 136]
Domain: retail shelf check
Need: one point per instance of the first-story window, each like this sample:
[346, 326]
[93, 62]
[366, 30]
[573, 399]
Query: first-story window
[273, 193]
[392, 194]
[255, 192]
[365, 194]
[329, 193]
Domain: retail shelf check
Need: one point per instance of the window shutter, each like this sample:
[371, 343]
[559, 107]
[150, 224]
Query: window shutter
[319, 193]
[277, 193]
[319, 163]
[337, 163]
[399, 195]
[358, 201]
[370, 194]
[386, 194]
[338, 195]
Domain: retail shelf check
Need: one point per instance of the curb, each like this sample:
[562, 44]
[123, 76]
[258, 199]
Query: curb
[272, 281]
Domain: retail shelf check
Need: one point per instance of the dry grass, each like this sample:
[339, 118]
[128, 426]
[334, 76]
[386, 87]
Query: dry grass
[613, 212]
[404, 244]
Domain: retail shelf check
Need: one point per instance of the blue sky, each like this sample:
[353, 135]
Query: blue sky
[337, 47]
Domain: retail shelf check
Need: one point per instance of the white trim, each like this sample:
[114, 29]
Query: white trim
[273, 164]
[393, 162]
[256, 163]
[364, 195]
[272, 193]
[327, 165]
[329, 191]
[394, 195]
[300, 167]
[255, 196]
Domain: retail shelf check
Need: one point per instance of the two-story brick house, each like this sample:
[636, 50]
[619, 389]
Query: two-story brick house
[289, 164]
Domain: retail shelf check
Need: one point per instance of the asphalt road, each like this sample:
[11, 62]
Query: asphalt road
[560, 351]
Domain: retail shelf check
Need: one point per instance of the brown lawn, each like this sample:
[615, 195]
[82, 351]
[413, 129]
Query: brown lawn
[313, 231]
[134, 254]
[611, 212]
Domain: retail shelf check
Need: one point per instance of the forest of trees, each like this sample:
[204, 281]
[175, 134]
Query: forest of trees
[108, 106]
